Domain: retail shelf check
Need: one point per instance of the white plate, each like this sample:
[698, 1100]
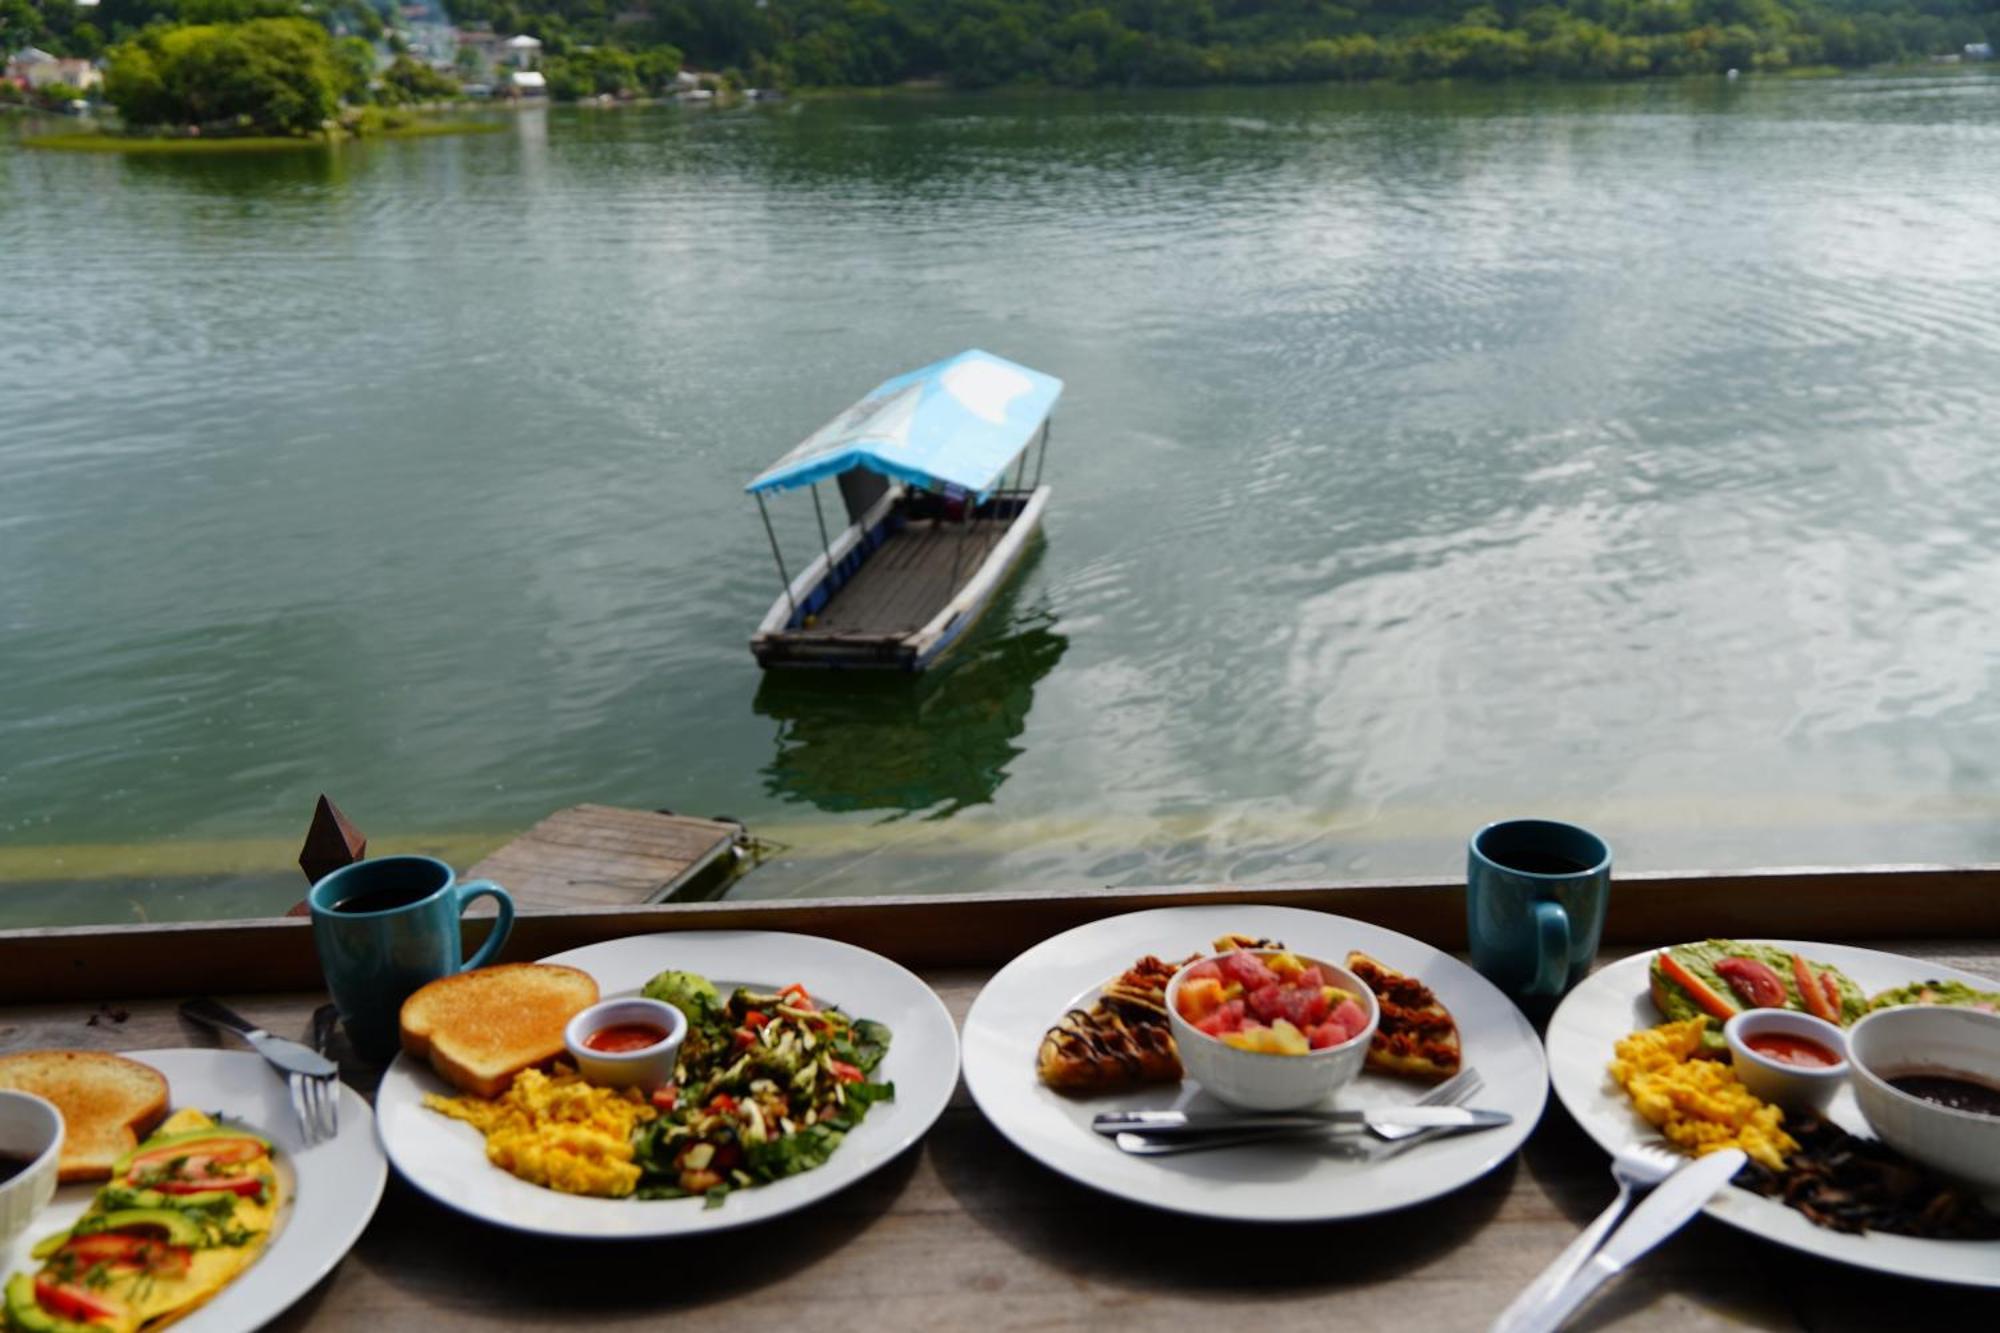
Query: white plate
[332, 1187]
[1289, 1183]
[446, 1158]
[1613, 1002]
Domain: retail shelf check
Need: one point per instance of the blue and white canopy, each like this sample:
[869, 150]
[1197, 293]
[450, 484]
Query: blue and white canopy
[959, 422]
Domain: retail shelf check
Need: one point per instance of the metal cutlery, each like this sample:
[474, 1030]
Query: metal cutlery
[1636, 1169]
[1659, 1215]
[1384, 1140]
[1181, 1123]
[314, 1080]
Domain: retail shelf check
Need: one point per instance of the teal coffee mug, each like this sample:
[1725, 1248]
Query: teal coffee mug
[1535, 893]
[386, 927]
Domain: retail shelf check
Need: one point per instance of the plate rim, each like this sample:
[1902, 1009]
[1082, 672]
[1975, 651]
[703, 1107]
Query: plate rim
[718, 1220]
[1832, 1246]
[330, 1239]
[1513, 1136]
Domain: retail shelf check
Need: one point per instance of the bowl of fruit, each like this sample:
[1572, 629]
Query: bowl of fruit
[1270, 1030]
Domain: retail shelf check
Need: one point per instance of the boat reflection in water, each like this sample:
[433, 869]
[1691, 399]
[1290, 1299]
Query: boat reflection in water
[936, 742]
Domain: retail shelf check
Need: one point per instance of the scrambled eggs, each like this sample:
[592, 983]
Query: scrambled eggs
[556, 1130]
[1698, 1104]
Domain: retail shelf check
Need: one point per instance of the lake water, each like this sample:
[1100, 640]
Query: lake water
[1429, 455]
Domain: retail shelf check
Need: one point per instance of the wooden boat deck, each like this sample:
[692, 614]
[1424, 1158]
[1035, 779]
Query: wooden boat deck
[911, 578]
[603, 856]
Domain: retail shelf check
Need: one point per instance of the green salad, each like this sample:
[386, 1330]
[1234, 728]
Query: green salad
[766, 1086]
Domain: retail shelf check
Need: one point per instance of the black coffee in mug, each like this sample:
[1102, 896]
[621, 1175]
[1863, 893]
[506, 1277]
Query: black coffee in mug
[386, 899]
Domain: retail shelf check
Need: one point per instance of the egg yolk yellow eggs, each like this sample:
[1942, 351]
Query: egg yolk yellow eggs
[558, 1131]
[1699, 1105]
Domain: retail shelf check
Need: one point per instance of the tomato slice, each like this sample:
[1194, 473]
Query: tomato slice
[844, 1072]
[197, 1155]
[1812, 993]
[73, 1302]
[1833, 1000]
[796, 995]
[667, 1098]
[1705, 999]
[1754, 983]
[247, 1186]
[123, 1249]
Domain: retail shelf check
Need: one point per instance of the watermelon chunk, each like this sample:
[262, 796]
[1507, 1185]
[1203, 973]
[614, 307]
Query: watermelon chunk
[1267, 1003]
[1207, 969]
[1248, 970]
[1330, 1033]
[1350, 1016]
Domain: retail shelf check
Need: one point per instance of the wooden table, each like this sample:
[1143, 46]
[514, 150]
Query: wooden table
[964, 1231]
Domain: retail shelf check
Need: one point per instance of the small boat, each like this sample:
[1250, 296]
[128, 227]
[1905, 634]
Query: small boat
[935, 526]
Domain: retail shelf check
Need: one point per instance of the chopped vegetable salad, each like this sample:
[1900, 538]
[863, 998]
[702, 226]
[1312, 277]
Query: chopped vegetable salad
[767, 1086]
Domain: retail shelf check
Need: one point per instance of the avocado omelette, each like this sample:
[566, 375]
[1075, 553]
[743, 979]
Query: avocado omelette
[184, 1213]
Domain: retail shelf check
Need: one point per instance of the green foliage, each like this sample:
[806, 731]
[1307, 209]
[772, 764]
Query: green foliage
[354, 59]
[410, 80]
[265, 76]
[1085, 43]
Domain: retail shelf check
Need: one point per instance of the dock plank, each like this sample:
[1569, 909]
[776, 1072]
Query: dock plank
[602, 855]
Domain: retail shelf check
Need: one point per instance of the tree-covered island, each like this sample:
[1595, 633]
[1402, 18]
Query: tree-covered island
[292, 67]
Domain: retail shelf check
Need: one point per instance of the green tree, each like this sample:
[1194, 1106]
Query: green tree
[354, 59]
[266, 76]
[408, 79]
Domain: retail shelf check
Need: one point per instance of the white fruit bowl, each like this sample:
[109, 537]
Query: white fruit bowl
[1256, 1081]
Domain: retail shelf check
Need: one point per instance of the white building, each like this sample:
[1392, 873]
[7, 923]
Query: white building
[38, 69]
[524, 52]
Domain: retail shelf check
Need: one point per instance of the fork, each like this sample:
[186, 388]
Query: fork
[1455, 1091]
[313, 1079]
[1636, 1169]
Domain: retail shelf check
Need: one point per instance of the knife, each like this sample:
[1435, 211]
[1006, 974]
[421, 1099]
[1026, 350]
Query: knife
[1662, 1213]
[1113, 1123]
[287, 1055]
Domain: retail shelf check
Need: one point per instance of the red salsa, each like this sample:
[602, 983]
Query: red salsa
[1788, 1049]
[622, 1037]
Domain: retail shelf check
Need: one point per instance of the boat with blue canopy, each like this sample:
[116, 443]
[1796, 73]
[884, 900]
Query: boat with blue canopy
[934, 523]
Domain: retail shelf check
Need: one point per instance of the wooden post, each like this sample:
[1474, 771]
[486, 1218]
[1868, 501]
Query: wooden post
[331, 842]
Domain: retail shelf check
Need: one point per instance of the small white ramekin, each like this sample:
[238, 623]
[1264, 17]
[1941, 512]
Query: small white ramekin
[1255, 1081]
[1795, 1087]
[1931, 1039]
[32, 1130]
[647, 1068]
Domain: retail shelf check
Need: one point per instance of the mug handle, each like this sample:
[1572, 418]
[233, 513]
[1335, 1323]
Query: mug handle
[502, 927]
[1551, 949]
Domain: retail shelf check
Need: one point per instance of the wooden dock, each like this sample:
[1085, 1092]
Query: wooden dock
[605, 856]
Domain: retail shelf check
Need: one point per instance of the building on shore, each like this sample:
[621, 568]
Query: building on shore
[32, 67]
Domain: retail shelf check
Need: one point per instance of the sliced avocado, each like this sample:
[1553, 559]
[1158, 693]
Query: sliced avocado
[129, 1197]
[193, 1136]
[48, 1245]
[180, 1228]
[26, 1314]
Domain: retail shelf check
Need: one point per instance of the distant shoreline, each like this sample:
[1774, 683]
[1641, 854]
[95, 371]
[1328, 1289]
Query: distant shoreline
[104, 141]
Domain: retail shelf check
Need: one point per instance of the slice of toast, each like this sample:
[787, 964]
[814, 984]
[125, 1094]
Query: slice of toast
[479, 1029]
[108, 1104]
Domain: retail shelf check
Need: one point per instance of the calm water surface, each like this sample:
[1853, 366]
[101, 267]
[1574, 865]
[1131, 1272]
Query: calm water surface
[1429, 455]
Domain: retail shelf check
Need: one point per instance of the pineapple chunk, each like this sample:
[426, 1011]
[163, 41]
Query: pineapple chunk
[1288, 1040]
[1199, 998]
